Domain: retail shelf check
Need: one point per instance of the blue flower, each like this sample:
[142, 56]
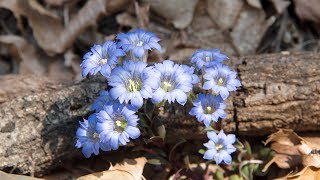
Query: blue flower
[116, 124]
[101, 58]
[175, 82]
[103, 99]
[221, 80]
[88, 138]
[208, 108]
[138, 41]
[220, 147]
[207, 58]
[132, 82]
[190, 70]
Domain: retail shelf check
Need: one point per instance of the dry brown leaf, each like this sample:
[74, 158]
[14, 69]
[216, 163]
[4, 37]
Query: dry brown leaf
[313, 141]
[233, 17]
[308, 10]
[285, 137]
[311, 160]
[16, 10]
[127, 19]
[280, 5]
[285, 149]
[307, 173]
[35, 6]
[293, 150]
[205, 33]
[142, 12]
[114, 174]
[224, 12]
[57, 2]
[128, 169]
[255, 3]
[284, 161]
[49, 31]
[181, 55]
[178, 12]
[246, 39]
[286, 144]
[24, 53]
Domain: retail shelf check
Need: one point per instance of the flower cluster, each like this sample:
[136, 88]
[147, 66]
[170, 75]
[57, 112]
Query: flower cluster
[217, 81]
[132, 82]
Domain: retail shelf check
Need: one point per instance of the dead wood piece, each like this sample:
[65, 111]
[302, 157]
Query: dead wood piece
[37, 130]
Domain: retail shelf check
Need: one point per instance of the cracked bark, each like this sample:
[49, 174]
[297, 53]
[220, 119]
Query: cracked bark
[37, 125]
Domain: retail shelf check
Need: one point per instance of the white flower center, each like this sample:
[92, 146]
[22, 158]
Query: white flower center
[220, 82]
[140, 43]
[219, 147]
[95, 136]
[209, 110]
[208, 58]
[134, 85]
[120, 124]
[104, 61]
[166, 86]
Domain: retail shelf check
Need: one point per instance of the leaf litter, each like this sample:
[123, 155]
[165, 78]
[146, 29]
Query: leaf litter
[292, 150]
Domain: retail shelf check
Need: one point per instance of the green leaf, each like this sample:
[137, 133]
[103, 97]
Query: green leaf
[219, 175]
[201, 151]
[235, 177]
[254, 167]
[157, 161]
[247, 147]
[209, 129]
[245, 172]
[162, 131]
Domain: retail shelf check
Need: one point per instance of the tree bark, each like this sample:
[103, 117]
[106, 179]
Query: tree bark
[37, 128]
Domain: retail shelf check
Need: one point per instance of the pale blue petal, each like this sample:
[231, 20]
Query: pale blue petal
[133, 132]
[114, 141]
[209, 154]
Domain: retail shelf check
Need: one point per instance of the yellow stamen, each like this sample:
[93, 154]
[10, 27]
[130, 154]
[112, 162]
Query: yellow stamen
[219, 147]
[220, 81]
[95, 135]
[133, 85]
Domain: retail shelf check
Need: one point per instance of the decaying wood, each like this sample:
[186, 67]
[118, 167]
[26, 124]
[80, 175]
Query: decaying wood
[37, 129]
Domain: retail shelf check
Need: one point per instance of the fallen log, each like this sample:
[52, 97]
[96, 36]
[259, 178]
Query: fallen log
[37, 129]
